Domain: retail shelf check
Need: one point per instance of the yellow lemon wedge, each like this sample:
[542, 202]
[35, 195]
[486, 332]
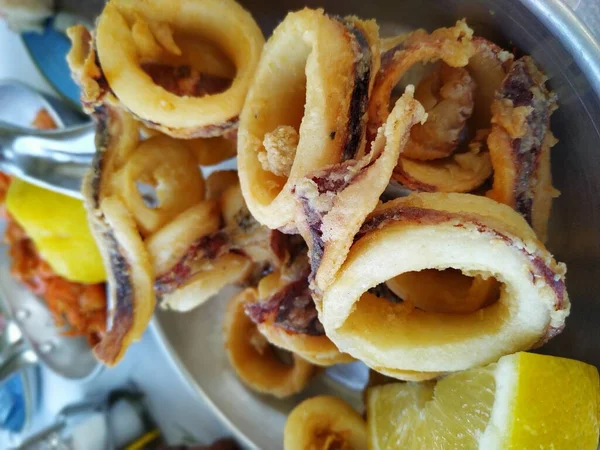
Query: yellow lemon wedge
[525, 401]
[58, 226]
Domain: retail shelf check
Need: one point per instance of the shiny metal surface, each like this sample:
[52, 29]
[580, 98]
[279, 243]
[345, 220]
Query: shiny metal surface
[54, 159]
[565, 49]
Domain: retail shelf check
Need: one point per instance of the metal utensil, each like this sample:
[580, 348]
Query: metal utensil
[54, 159]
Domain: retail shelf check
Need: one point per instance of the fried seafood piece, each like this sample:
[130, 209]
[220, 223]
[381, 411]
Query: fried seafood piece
[325, 422]
[447, 94]
[467, 233]
[285, 313]
[473, 71]
[450, 45]
[167, 171]
[183, 68]
[130, 277]
[213, 244]
[463, 171]
[287, 128]
[254, 360]
[487, 67]
[334, 201]
[520, 143]
[85, 70]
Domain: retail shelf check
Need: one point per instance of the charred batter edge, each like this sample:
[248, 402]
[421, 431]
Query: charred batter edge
[428, 216]
[359, 100]
[102, 141]
[329, 180]
[215, 130]
[207, 247]
[519, 86]
[122, 320]
[291, 308]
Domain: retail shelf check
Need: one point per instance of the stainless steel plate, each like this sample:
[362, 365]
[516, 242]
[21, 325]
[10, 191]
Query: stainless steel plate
[571, 59]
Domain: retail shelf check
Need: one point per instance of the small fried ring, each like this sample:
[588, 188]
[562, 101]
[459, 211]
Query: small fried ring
[170, 169]
[324, 422]
[254, 361]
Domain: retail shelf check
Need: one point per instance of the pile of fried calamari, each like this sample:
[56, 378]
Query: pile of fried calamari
[330, 123]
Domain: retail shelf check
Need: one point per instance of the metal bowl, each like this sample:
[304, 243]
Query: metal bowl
[548, 31]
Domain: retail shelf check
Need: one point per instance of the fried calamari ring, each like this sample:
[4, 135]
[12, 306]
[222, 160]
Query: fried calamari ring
[211, 275]
[324, 422]
[334, 201]
[520, 143]
[254, 360]
[460, 172]
[309, 57]
[129, 271]
[129, 34]
[469, 233]
[488, 66]
[169, 244]
[447, 96]
[169, 169]
[451, 45]
[285, 314]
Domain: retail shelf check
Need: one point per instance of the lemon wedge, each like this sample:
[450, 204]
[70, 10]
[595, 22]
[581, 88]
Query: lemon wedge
[525, 401]
[58, 226]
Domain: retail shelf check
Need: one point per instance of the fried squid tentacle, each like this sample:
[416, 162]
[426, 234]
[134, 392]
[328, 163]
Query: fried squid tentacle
[334, 201]
[151, 56]
[471, 234]
[254, 359]
[287, 128]
[520, 143]
[130, 277]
